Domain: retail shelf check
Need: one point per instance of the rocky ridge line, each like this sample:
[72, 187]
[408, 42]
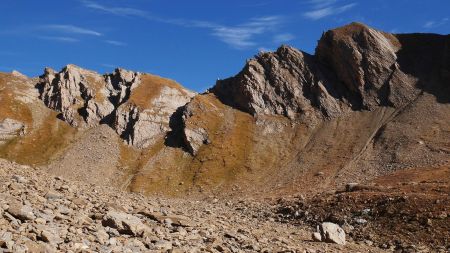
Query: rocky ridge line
[86, 99]
[354, 68]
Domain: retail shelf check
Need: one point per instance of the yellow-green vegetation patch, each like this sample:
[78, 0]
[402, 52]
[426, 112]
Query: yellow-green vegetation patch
[150, 88]
[133, 160]
[40, 145]
[171, 171]
[10, 106]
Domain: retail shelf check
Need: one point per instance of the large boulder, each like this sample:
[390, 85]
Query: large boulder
[124, 223]
[329, 232]
[21, 212]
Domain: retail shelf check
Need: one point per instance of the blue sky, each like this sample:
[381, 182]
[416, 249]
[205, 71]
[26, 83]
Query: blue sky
[194, 42]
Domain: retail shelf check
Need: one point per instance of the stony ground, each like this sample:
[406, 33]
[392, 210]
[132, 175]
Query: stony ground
[43, 213]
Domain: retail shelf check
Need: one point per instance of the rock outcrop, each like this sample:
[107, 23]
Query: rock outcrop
[365, 61]
[329, 232]
[143, 117]
[354, 67]
[286, 82]
[86, 99]
[10, 128]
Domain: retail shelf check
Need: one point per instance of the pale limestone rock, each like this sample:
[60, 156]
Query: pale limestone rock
[10, 128]
[195, 138]
[141, 126]
[124, 223]
[331, 233]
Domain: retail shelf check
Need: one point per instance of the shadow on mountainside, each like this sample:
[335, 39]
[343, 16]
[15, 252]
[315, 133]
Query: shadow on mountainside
[427, 57]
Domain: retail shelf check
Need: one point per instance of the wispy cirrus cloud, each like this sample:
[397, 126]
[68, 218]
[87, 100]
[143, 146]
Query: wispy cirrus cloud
[59, 38]
[325, 8]
[69, 29]
[116, 43]
[435, 23]
[120, 11]
[321, 3]
[240, 36]
[282, 38]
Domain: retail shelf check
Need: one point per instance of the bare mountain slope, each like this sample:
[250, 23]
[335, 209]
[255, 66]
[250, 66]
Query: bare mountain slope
[369, 110]
[366, 104]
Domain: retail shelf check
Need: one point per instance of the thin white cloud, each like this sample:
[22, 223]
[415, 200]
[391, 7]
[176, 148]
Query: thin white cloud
[433, 23]
[327, 11]
[120, 11]
[116, 43]
[59, 38]
[70, 29]
[239, 36]
[242, 36]
[318, 4]
[282, 38]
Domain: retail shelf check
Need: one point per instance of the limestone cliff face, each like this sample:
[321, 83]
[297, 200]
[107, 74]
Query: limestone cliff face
[365, 61]
[354, 67]
[86, 99]
[286, 82]
[146, 112]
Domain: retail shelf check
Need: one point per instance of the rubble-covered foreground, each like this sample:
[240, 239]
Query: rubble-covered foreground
[43, 213]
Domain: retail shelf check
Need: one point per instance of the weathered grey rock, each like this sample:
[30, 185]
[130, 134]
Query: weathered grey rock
[316, 237]
[350, 186]
[195, 138]
[140, 126]
[84, 97]
[21, 212]
[51, 237]
[365, 61]
[332, 233]
[19, 179]
[124, 223]
[286, 82]
[10, 128]
[52, 195]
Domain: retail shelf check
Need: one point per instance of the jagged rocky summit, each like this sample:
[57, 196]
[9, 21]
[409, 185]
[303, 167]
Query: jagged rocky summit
[354, 68]
[138, 106]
